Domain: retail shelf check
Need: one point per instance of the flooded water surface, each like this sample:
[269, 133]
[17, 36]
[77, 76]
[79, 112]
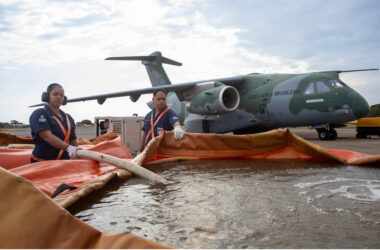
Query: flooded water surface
[245, 204]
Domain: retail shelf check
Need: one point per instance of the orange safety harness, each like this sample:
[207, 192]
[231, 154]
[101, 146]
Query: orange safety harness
[153, 124]
[66, 134]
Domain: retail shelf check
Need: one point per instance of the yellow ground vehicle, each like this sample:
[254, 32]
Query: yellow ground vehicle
[369, 125]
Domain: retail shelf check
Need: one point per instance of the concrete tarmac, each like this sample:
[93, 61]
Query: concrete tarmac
[346, 140]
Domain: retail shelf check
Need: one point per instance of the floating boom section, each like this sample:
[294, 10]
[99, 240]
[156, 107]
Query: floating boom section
[216, 100]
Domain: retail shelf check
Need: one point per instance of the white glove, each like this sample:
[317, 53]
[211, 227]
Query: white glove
[178, 132]
[72, 151]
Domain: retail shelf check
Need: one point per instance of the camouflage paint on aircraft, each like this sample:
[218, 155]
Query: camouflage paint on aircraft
[252, 102]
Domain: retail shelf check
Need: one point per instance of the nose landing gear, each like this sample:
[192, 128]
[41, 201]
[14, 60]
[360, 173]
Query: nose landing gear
[326, 134]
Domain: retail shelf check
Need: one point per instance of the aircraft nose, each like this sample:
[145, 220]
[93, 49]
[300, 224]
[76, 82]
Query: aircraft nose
[360, 106]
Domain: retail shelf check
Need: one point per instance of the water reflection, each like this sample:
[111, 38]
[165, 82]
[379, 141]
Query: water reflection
[240, 204]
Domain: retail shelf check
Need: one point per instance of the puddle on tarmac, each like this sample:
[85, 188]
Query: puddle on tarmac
[245, 204]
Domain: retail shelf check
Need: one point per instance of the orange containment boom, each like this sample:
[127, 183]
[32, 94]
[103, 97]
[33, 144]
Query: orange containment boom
[278, 144]
[84, 176]
[32, 220]
[6, 138]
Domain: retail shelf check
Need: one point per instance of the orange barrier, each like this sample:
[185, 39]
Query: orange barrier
[273, 145]
[14, 157]
[80, 174]
[20, 199]
[6, 138]
[87, 175]
[104, 137]
[32, 220]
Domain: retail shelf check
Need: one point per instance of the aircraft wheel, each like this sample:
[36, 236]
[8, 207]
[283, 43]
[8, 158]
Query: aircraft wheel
[361, 136]
[333, 134]
[323, 134]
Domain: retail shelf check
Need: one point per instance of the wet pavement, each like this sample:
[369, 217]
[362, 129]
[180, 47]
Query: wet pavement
[245, 204]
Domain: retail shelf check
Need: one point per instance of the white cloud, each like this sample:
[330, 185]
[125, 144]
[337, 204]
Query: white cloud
[131, 26]
[67, 42]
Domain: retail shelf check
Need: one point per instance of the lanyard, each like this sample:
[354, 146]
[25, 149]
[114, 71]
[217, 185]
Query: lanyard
[66, 133]
[153, 124]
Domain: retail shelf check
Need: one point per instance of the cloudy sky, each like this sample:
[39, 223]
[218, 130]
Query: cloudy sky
[66, 41]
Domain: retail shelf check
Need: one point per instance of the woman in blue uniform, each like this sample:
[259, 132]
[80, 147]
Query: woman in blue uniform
[53, 131]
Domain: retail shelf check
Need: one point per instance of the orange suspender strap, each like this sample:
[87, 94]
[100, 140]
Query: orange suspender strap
[153, 124]
[65, 132]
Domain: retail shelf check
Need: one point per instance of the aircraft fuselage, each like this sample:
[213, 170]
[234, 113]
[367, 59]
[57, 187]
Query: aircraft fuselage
[270, 101]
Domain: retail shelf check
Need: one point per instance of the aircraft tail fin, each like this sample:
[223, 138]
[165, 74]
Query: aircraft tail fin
[153, 64]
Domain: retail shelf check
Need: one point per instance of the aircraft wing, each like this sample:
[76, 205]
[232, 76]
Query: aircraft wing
[135, 94]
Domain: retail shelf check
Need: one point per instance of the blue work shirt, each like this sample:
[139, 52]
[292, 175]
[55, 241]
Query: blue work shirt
[42, 119]
[166, 122]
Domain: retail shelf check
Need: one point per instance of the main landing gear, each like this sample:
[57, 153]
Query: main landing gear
[327, 134]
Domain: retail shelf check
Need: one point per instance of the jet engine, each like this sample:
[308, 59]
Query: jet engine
[215, 100]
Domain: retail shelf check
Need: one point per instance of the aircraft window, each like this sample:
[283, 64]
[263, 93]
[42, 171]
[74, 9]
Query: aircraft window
[335, 84]
[310, 89]
[322, 87]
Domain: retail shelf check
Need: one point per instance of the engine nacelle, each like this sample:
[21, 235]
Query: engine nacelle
[215, 100]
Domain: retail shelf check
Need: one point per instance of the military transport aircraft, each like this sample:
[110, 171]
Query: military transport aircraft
[254, 102]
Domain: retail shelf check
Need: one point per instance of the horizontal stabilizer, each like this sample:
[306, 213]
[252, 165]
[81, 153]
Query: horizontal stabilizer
[156, 56]
[132, 58]
[153, 64]
[355, 70]
[345, 71]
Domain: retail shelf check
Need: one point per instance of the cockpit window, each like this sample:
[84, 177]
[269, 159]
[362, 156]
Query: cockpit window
[335, 84]
[310, 90]
[322, 87]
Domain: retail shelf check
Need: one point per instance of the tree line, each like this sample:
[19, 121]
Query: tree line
[17, 124]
